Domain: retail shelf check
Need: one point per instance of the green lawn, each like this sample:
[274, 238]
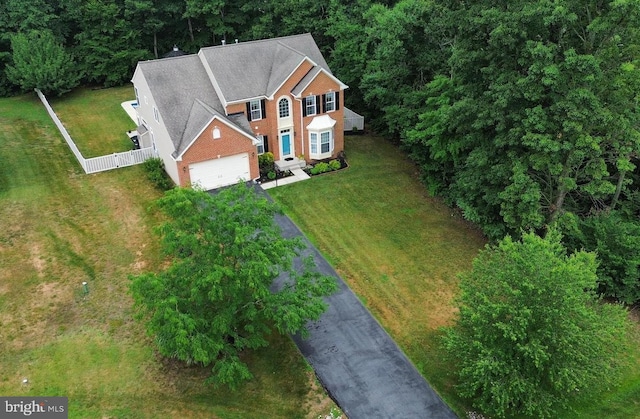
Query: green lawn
[60, 227]
[400, 251]
[104, 122]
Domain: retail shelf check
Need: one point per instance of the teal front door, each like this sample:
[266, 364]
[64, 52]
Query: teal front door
[285, 139]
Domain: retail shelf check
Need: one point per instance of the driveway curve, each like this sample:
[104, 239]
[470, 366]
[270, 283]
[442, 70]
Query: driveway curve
[354, 358]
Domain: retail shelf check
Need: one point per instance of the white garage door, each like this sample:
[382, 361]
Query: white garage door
[220, 172]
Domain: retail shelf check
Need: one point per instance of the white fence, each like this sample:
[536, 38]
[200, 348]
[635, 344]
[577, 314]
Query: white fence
[352, 120]
[102, 163]
[115, 160]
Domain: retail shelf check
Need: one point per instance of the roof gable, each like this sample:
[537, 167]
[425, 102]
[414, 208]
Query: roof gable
[310, 77]
[200, 117]
[266, 64]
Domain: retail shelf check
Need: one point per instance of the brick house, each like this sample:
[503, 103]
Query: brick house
[209, 115]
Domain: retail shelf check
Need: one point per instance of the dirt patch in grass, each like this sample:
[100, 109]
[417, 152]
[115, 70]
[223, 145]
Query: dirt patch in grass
[318, 404]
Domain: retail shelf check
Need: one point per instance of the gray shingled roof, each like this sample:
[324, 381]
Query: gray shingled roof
[265, 64]
[175, 84]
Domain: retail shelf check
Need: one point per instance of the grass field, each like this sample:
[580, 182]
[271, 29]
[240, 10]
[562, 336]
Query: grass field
[103, 129]
[400, 251]
[60, 227]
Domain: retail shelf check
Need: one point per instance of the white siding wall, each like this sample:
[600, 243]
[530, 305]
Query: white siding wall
[164, 145]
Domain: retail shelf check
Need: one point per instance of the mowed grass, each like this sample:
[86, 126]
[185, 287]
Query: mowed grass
[103, 129]
[59, 228]
[400, 251]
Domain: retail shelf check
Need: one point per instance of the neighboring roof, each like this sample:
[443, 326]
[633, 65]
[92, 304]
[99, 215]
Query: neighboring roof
[278, 58]
[175, 52]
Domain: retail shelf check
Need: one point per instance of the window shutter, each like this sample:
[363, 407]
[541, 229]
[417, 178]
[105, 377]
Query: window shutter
[337, 101]
[249, 111]
[318, 104]
[324, 103]
[304, 107]
[265, 141]
[263, 105]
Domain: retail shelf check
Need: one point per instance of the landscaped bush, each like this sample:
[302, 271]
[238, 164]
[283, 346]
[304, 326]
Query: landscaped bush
[156, 174]
[321, 167]
[266, 162]
[335, 165]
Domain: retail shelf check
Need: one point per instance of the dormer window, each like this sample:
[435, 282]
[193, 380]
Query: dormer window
[216, 133]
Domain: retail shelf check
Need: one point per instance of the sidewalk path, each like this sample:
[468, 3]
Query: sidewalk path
[358, 363]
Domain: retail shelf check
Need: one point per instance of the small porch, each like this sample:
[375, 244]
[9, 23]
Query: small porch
[290, 163]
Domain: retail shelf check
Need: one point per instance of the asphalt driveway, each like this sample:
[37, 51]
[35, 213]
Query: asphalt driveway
[358, 363]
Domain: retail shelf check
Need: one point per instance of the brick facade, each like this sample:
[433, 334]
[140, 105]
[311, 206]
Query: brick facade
[231, 142]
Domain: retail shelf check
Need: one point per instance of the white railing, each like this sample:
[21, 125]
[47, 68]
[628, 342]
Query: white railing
[62, 130]
[116, 160]
[102, 163]
[352, 120]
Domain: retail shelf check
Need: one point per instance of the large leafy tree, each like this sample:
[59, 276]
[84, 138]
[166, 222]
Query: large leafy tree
[217, 297]
[106, 45]
[531, 333]
[39, 61]
[538, 115]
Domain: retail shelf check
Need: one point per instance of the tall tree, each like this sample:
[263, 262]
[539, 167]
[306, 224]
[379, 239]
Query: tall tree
[39, 61]
[106, 45]
[216, 299]
[411, 43]
[531, 334]
[541, 106]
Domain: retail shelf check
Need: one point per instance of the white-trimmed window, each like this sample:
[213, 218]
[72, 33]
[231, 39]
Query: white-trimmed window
[255, 109]
[156, 115]
[260, 145]
[310, 105]
[216, 133]
[137, 96]
[283, 108]
[325, 142]
[321, 144]
[330, 102]
[153, 141]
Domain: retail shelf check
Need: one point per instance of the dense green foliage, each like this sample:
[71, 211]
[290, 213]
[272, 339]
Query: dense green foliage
[40, 62]
[537, 115]
[532, 335]
[214, 300]
[154, 168]
[617, 243]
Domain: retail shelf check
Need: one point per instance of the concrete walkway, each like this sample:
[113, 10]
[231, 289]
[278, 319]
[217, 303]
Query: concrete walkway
[358, 363]
[298, 175]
